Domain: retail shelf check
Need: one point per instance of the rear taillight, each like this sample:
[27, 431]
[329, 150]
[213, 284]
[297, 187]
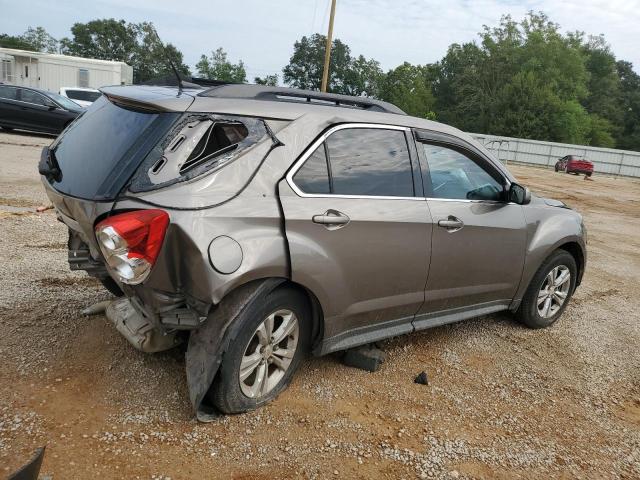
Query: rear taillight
[130, 242]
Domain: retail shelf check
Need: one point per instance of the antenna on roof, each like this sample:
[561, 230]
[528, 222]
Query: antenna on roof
[168, 58]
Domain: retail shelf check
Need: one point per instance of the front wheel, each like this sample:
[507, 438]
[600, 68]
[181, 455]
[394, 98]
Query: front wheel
[549, 291]
[265, 350]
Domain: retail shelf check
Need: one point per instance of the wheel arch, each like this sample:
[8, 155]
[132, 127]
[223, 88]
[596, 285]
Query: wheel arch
[578, 255]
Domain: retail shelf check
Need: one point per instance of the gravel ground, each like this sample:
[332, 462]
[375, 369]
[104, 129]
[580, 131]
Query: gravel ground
[502, 402]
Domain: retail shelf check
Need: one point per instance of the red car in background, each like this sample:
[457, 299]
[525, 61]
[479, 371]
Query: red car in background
[573, 164]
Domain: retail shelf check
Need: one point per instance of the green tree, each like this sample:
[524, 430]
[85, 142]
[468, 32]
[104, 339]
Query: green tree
[629, 136]
[271, 80]
[347, 75]
[151, 57]
[12, 41]
[604, 86]
[218, 67]
[104, 39]
[40, 40]
[34, 39]
[409, 87]
[136, 44]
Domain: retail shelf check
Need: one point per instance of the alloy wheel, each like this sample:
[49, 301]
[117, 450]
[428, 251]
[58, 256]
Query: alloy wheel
[269, 353]
[554, 291]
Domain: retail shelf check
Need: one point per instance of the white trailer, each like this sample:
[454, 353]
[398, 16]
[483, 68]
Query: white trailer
[50, 71]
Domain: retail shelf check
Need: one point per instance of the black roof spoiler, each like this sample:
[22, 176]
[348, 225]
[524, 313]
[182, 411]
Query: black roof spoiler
[284, 94]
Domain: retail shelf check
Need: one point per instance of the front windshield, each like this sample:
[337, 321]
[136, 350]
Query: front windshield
[63, 101]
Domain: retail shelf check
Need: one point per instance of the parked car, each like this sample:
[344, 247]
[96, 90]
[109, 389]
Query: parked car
[574, 164]
[262, 223]
[82, 96]
[34, 109]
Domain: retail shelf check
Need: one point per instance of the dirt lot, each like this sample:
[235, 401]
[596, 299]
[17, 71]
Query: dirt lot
[503, 401]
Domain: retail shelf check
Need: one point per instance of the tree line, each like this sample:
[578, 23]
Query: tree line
[523, 78]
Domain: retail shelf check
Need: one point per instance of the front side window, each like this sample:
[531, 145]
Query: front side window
[456, 176]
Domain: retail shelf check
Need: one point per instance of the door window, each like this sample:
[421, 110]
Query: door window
[370, 161]
[8, 92]
[456, 176]
[313, 176]
[32, 97]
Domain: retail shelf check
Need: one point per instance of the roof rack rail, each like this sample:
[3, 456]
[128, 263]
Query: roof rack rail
[284, 94]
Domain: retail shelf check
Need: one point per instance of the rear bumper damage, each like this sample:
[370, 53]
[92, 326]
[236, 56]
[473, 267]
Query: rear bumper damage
[131, 320]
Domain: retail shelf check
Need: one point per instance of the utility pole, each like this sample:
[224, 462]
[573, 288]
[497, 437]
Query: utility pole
[327, 49]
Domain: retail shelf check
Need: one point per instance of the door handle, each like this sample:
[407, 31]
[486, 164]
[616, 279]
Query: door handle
[331, 219]
[451, 224]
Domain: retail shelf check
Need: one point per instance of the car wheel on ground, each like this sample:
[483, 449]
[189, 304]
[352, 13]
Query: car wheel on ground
[265, 349]
[549, 291]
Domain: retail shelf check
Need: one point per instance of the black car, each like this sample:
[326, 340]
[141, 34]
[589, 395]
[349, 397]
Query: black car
[33, 109]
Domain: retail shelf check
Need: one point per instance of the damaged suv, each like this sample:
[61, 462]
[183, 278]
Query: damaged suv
[260, 224]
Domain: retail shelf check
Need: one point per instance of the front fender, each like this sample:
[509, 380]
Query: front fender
[548, 228]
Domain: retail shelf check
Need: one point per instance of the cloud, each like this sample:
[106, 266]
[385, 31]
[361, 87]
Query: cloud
[262, 33]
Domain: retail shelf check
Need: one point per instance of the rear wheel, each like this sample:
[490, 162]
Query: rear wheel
[549, 291]
[269, 343]
[556, 168]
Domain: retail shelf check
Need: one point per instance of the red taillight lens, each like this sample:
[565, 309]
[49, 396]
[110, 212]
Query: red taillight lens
[130, 242]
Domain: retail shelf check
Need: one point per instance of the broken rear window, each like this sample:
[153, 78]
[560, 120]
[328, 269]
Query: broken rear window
[198, 143]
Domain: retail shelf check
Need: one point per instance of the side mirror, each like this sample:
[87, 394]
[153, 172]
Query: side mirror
[519, 194]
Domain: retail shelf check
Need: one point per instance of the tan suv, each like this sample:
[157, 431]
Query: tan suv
[259, 224]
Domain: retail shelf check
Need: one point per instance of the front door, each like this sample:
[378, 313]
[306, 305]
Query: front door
[359, 232]
[479, 238]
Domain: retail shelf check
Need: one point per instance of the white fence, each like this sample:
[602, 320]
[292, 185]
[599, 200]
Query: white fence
[534, 152]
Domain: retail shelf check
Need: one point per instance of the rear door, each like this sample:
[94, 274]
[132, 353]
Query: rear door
[37, 111]
[479, 238]
[359, 231]
[9, 106]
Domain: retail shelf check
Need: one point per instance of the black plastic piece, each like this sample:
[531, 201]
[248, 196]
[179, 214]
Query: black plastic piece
[180, 319]
[422, 378]
[366, 357]
[284, 94]
[30, 470]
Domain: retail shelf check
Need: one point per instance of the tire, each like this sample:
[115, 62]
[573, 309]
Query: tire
[111, 285]
[529, 312]
[229, 393]
[588, 174]
[556, 168]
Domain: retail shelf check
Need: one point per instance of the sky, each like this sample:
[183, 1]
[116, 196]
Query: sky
[261, 33]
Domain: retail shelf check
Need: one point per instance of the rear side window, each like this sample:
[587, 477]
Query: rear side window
[83, 95]
[8, 92]
[361, 162]
[33, 97]
[197, 143]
